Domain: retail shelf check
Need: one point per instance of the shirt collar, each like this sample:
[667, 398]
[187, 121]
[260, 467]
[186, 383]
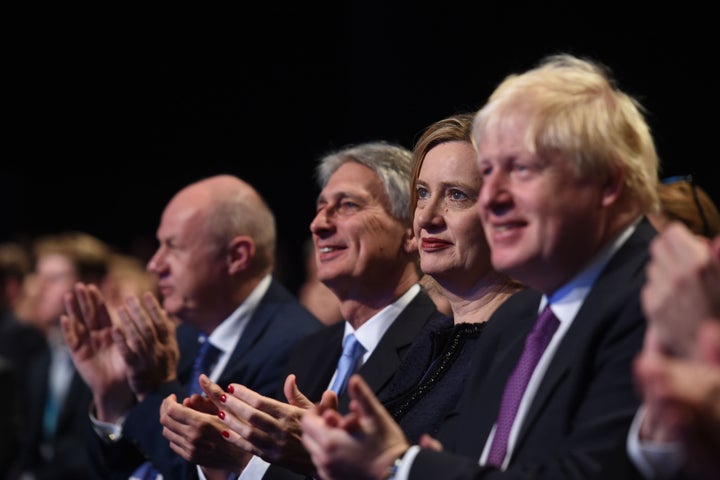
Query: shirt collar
[227, 334]
[567, 300]
[371, 332]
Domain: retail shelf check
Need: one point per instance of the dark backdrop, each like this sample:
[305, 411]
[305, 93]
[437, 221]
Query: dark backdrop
[112, 111]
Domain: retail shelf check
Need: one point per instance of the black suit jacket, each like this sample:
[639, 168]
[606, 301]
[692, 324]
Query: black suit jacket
[10, 416]
[66, 457]
[257, 361]
[315, 358]
[19, 342]
[586, 402]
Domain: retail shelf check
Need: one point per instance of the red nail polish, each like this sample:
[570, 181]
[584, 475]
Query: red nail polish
[231, 389]
[221, 414]
[226, 434]
[223, 398]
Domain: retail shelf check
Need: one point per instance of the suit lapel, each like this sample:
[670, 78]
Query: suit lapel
[628, 262]
[258, 323]
[385, 359]
[513, 324]
[326, 356]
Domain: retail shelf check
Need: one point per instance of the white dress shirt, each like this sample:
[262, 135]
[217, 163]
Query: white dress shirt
[369, 335]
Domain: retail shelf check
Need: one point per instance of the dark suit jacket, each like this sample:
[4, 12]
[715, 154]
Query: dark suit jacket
[587, 399]
[315, 359]
[257, 361]
[10, 416]
[19, 342]
[68, 459]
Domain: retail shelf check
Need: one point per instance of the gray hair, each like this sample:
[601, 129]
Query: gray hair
[392, 163]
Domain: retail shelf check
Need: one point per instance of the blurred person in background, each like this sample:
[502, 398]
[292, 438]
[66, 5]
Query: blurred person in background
[55, 398]
[682, 200]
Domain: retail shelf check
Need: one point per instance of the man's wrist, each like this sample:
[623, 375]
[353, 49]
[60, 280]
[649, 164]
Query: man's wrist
[395, 467]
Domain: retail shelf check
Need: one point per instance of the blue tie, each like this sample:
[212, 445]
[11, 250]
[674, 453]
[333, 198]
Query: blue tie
[348, 363]
[206, 356]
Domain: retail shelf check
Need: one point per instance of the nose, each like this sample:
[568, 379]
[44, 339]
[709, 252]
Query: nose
[494, 194]
[321, 223]
[157, 261]
[429, 214]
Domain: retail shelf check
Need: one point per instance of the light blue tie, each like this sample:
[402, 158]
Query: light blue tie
[348, 363]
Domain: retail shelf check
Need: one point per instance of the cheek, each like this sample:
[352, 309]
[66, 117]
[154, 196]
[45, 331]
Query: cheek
[379, 233]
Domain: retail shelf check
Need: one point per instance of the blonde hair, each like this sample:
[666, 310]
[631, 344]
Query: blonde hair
[575, 109]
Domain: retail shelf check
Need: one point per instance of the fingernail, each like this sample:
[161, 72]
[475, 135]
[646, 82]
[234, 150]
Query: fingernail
[231, 389]
[226, 434]
[221, 414]
[223, 398]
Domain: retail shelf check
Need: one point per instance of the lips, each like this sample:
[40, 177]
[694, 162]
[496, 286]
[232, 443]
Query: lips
[328, 251]
[165, 290]
[432, 244]
[505, 230]
[505, 226]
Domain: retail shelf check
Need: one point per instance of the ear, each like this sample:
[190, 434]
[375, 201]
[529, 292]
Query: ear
[241, 250]
[409, 241]
[613, 187]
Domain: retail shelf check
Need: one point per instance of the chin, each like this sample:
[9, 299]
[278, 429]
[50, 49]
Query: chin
[172, 307]
[507, 264]
[434, 270]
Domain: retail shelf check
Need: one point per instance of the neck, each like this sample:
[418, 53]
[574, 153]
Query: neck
[358, 307]
[478, 305]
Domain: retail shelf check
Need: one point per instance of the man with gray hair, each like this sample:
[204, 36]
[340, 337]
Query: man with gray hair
[569, 171]
[366, 254]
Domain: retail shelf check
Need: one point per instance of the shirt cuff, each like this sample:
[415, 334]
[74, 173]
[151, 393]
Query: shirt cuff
[403, 470]
[201, 474]
[109, 432]
[255, 469]
[653, 459]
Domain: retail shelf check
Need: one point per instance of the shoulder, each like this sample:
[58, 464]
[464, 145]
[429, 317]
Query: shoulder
[285, 308]
[326, 335]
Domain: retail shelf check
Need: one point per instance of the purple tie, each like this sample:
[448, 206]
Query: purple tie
[535, 345]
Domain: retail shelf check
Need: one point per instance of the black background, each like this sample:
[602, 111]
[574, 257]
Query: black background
[110, 112]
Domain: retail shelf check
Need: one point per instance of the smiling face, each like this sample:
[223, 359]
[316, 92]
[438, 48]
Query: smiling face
[447, 222]
[357, 242]
[542, 220]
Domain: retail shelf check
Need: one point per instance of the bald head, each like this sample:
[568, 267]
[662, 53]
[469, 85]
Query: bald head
[231, 207]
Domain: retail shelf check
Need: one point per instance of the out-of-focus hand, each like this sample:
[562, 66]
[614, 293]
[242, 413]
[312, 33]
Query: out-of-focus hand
[89, 333]
[148, 343]
[264, 426]
[430, 443]
[682, 397]
[360, 445]
[196, 434]
[682, 287]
